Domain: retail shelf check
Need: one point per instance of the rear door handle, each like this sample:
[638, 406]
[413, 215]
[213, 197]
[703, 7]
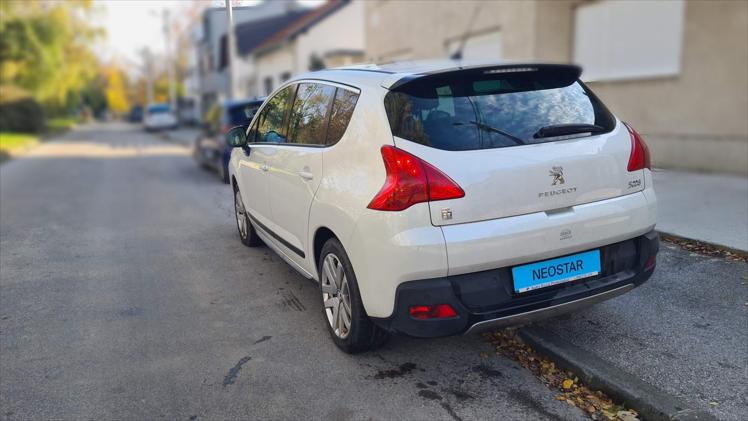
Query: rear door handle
[306, 175]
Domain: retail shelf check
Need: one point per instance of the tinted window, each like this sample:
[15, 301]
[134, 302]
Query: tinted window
[309, 115]
[342, 109]
[158, 108]
[470, 111]
[272, 121]
[241, 114]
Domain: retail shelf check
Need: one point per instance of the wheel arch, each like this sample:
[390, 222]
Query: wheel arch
[321, 235]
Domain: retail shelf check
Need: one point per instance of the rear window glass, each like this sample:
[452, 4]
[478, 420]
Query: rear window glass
[484, 110]
[158, 108]
[242, 114]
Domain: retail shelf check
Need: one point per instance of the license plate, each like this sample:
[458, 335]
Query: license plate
[556, 271]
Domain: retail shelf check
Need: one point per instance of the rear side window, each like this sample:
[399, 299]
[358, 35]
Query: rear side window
[342, 110]
[309, 114]
[272, 122]
[484, 110]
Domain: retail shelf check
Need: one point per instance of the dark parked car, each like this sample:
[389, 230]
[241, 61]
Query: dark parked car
[211, 150]
[136, 114]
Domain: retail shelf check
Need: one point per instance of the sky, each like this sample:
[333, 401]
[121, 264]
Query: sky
[132, 25]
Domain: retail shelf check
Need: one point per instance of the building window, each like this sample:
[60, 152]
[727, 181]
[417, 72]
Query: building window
[481, 46]
[631, 39]
[268, 85]
[285, 76]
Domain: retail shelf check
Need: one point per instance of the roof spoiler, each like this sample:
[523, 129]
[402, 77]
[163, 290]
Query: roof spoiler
[572, 71]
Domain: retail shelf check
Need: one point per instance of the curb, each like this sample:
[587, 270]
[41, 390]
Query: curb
[739, 252]
[650, 402]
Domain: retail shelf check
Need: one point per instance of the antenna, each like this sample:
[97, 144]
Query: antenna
[457, 55]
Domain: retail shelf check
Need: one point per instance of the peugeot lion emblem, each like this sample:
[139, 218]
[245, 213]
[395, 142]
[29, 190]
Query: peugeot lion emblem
[558, 175]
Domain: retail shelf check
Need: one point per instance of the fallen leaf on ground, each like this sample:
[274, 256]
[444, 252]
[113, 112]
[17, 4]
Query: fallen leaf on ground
[627, 416]
[595, 404]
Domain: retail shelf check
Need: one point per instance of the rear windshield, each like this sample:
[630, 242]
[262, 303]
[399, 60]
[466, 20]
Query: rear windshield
[240, 115]
[483, 110]
[158, 108]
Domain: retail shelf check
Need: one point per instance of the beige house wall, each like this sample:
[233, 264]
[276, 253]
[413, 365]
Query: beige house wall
[699, 118]
[408, 29]
[696, 120]
[273, 64]
[341, 31]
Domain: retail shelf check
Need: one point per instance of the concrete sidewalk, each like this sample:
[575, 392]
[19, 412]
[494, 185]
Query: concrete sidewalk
[706, 207]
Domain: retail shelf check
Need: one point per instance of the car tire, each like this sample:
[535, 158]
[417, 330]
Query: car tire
[341, 300]
[247, 233]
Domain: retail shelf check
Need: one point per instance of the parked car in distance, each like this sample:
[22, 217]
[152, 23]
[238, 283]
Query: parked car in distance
[441, 198]
[159, 117]
[210, 149]
[136, 114]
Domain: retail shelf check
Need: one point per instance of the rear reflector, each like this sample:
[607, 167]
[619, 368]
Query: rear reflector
[639, 158]
[650, 262]
[439, 311]
[411, 180]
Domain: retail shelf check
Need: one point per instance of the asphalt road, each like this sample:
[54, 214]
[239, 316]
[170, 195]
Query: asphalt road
[125, 294]
[684, 331]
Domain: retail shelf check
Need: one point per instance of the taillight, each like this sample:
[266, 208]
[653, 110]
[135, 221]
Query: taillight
[639, 158]
[411, 180]
[439, 311]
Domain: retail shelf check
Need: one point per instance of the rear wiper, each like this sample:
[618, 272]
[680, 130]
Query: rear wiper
[566, 129]
[488, 128]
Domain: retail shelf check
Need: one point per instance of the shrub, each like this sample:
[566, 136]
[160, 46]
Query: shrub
[21, 115]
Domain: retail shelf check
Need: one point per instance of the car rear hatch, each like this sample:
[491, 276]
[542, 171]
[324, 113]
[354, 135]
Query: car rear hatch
[516, 139]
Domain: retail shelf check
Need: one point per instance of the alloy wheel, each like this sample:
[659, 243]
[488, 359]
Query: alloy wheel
[241, 214]
[336, 295]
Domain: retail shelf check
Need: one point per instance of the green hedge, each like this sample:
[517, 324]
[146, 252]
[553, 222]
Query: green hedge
[21, 115]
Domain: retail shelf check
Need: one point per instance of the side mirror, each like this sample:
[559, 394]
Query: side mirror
[237, 136]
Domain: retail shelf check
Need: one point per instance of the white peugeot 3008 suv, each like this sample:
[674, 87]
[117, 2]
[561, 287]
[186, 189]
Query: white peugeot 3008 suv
[431, 199]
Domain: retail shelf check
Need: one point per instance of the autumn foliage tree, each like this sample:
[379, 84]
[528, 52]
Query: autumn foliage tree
[45, 52]
[116, 90]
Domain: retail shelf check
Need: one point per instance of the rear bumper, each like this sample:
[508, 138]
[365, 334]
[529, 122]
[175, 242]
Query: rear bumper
[486, 300]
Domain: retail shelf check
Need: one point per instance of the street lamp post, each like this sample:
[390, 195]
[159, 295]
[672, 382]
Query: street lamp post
[230, 47]
[169, 61]
[148, 71]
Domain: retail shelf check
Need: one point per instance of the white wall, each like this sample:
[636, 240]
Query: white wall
[273, 64]
[342, 30]
[629, 39]
[483, 46]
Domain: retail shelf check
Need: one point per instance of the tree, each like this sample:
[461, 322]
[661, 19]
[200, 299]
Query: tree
[45, 50]
[116, 92]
